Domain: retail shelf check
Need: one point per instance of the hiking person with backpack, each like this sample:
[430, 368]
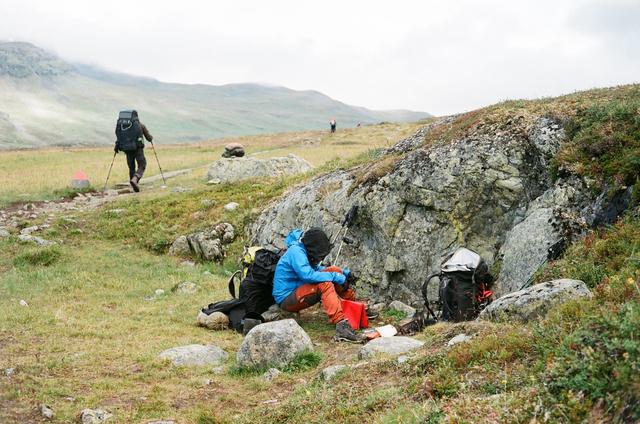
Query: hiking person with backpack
[130, 136]
[300, 282]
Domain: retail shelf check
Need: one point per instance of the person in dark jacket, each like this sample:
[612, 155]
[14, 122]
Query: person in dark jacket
[140, 132]
[300, 281]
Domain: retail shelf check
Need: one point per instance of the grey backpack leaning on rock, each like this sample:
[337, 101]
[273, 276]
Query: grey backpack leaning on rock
[463, 290]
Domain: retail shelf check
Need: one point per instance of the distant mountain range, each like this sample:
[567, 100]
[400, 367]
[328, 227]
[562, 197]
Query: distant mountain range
[46, 101]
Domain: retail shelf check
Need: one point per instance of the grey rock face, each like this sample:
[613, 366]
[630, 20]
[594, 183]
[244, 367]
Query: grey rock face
[195, 355]
[469, 193]
[535, 301]
[273, 344]
[236, 169]
[542, 234]
[209, 245]
[94, 416]
[393, 346]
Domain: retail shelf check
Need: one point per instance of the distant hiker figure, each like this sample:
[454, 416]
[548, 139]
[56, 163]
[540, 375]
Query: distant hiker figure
[300, 281]
[332, 123]
[130, 135]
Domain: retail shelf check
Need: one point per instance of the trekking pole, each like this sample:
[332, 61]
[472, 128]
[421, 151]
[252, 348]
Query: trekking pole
[109, 173]
[348, 221]
[157, 160]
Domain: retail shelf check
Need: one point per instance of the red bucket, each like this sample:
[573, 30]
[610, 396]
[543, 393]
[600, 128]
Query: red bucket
[356, 313]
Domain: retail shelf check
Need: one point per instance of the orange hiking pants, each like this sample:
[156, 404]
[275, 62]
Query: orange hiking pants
[328, 293]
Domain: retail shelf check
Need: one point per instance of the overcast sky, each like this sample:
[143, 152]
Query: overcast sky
[436, 56]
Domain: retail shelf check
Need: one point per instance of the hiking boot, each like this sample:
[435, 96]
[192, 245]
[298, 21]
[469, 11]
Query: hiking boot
[344, 333]
[134, 183]
[371, 314]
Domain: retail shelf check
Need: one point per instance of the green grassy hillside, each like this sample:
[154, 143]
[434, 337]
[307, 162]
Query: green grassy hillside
[49, 102]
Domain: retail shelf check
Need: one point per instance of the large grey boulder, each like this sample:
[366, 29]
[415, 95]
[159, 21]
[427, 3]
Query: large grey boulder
[393, 346]
[195, 355]
[535, 301]
[273, 344]
[236, 169]
[421, 204]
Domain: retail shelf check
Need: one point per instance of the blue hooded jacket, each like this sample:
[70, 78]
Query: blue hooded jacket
[294, 270]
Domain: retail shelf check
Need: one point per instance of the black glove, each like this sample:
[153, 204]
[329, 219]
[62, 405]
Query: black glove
[352, 278]
[115, 149]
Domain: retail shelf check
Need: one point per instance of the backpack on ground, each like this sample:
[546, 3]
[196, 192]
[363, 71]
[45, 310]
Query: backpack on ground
[463, 290]
[255, 278]
[128, 131]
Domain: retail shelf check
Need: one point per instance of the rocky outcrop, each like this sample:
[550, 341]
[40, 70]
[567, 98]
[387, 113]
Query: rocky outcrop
[208, 245]
[273, 344]
[236, 169]
[535, 301]
[418, 204]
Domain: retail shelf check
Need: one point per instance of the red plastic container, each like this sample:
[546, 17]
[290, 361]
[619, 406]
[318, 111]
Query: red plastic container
[356, 313]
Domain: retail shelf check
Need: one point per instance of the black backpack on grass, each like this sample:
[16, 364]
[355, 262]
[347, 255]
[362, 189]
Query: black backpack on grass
[463, 290]
[256, 286]
[128, 131]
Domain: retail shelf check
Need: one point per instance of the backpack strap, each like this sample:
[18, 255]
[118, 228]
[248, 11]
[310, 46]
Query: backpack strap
[232, 285]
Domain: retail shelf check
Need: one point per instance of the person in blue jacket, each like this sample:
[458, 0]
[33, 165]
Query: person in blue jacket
[300, 281]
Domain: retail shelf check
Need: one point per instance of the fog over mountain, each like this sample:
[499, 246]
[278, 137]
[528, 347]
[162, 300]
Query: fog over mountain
[48, 101]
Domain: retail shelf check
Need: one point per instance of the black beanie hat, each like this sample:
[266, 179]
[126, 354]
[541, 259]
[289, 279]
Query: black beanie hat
[316, 244]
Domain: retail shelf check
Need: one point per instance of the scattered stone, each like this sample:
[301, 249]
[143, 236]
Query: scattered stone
[273, 344]
[270, 402]
[402, 307]
[236, 169]
[23, 302]
[4, 233]
[402, 359]
[180, 247]
[29, 230]
[390, 346]
[188, 263]
[195, 355]
[206, 382]
[232, 206]
[115, 211]
[185, 287]
[460, 338]
[207, 202]
[36, 240]
[213, 321]
[46, 411]
[217, 370]
[94, 416]
[271, 374]
[214, 181]
[535, 301]
[159, 292]
[9, 371]
[330, 372]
